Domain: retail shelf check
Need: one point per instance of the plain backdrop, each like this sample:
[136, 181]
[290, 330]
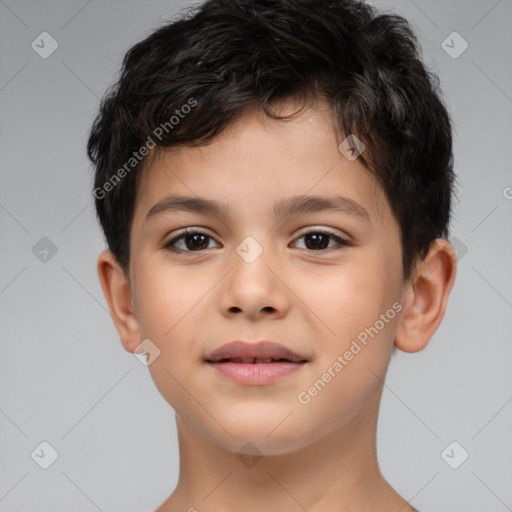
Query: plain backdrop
[65, 379]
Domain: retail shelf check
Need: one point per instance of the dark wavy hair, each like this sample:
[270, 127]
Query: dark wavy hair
[227, 55]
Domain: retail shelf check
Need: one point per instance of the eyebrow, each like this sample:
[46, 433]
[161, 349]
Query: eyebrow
[283, 207]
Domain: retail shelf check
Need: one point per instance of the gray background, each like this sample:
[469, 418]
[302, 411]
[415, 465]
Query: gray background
[64, 376]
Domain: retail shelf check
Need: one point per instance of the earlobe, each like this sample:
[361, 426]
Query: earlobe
[116, 289]
[425, 297]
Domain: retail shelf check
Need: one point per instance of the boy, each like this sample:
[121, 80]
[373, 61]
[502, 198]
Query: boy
[274, 182]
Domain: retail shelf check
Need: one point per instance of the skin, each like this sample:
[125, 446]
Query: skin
[319, 456]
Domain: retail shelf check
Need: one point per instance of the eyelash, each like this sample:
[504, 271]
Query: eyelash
[192, 231]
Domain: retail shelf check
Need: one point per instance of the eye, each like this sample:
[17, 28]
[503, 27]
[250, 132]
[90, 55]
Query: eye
[195, 240]
[191, 240]
[318, 240]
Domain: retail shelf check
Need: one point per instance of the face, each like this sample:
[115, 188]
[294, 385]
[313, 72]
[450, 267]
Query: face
[325, 283]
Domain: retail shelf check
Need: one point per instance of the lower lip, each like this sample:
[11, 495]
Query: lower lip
[256, 373]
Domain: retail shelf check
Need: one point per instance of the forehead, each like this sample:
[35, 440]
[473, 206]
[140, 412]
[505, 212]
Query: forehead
[257, 162]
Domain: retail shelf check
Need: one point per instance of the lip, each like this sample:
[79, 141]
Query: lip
[228, 360]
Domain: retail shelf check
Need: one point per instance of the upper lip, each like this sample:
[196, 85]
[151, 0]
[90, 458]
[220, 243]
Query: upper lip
[254, 350]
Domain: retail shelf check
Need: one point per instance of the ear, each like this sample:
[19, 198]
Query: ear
[116, 289]
[425, 297]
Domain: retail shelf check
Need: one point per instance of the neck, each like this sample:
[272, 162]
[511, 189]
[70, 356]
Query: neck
[337, 473]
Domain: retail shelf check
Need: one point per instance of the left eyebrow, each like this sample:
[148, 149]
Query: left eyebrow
[310, 204]
[289, 206]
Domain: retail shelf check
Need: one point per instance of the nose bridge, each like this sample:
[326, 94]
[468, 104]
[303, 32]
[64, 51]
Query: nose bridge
[252, 285]
[250, 250]
[251, 260]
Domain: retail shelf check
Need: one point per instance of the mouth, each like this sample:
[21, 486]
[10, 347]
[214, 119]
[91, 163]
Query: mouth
[253, 360]
[255, 363]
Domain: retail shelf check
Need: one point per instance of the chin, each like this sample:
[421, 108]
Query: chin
[254, 439]
[262, 446]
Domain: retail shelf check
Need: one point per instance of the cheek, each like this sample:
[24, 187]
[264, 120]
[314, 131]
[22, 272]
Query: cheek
[167, 307]
[355, 335]
[349, 298]
[348, 375]
[168, 295]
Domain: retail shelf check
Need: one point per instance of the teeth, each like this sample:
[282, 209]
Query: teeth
[266, 360]
[247, 359]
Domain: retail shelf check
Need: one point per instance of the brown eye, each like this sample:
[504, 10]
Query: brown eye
[190, 241]
[317, 240]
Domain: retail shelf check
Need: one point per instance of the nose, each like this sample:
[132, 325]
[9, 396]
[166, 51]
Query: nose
[254, 287]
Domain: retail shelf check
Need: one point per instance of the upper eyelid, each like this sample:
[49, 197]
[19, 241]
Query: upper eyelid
[190, 230]
[321, 230]
[205, 231]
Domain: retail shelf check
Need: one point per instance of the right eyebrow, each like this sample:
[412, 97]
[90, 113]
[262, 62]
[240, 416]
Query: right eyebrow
[189, 204]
